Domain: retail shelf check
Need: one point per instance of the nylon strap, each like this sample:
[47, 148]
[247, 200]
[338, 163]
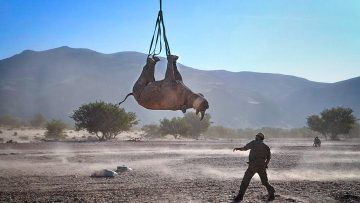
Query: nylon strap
[159, 35]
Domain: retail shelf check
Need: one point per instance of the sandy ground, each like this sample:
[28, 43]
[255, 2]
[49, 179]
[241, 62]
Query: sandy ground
[176, 171]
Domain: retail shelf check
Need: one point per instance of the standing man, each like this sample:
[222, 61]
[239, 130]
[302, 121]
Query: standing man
[259, 159]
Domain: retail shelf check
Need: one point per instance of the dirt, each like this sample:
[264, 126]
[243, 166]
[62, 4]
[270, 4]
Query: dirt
[176, 171]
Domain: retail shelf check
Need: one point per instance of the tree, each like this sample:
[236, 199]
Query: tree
[332, 122]
[195, 125]
[176, 127]
[10, 121]
[105, 118]
[317, 124]
[38, 121]
[55, 129]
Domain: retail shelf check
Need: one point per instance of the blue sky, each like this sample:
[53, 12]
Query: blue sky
[315, 39]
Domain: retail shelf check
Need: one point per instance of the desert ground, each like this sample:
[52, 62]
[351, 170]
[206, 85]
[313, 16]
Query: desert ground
[173, 170]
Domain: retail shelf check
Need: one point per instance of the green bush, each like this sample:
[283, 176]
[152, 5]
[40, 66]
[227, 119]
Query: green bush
[176, 127]
[55, 129]
[195, 125]
[105, 118]
[188, 126]
[151, 131]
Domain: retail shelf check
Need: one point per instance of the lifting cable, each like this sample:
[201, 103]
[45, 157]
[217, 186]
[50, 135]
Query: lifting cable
[159, 35]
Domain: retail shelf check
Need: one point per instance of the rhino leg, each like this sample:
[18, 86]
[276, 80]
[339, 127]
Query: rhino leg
[147, 76]
[176, 72]
[148, 72]
[171, 66]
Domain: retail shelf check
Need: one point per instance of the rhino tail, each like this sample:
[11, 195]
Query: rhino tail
[130, 94]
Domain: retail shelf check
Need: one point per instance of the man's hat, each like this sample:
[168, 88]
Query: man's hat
[260, 136]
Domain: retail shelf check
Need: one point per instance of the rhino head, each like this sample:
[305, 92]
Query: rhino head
[200, 104]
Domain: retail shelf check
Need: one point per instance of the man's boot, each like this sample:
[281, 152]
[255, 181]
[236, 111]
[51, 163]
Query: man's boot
[271, 197]
[238, 198]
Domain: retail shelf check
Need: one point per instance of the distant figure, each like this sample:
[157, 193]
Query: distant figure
[259, 159]
[317, 142]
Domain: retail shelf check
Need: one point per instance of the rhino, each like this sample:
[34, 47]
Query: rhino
[167, 94]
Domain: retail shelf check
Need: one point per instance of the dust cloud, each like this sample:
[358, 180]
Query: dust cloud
[191, 160]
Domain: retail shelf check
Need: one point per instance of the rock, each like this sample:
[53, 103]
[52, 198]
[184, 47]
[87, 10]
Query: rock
[123, 168]
[104, 173]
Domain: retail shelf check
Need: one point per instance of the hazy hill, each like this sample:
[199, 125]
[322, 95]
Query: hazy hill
[57, 81]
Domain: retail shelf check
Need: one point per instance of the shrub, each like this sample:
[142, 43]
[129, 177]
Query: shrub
[176, 127]
[151, 130]
[188, 126]
[105, 118]
[55, 129]
[195, 125]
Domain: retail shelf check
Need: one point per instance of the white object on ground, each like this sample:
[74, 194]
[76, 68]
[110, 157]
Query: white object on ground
[104, 173]
[123, 168]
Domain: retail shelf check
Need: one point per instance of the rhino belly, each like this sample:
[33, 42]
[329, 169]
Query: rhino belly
[161, 95]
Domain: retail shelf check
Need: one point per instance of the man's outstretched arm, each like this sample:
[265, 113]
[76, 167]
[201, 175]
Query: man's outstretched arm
[246, 147]
[240, 149]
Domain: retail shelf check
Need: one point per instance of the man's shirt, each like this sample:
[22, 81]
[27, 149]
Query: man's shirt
[259, 151]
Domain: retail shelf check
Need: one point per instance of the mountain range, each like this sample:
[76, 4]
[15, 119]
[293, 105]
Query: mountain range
[55, 82]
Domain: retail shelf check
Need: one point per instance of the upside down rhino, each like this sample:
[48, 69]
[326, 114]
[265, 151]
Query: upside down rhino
[167, 94]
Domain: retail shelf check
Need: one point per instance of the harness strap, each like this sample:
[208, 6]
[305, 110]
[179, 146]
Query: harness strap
[159, 34]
